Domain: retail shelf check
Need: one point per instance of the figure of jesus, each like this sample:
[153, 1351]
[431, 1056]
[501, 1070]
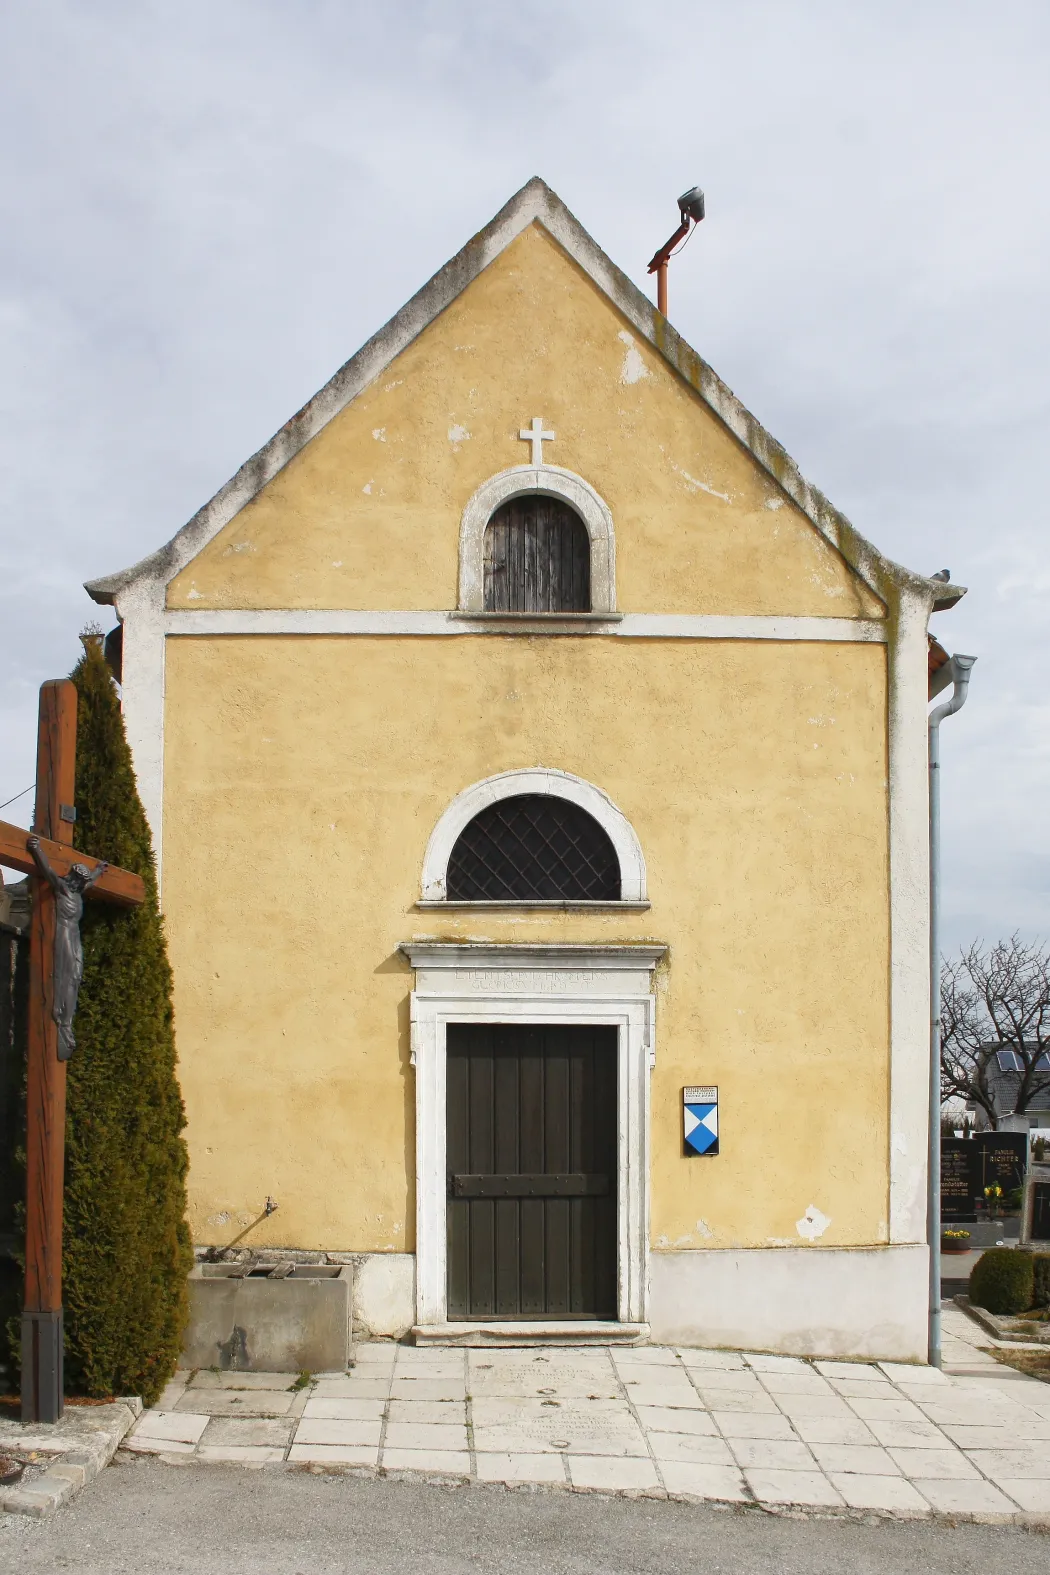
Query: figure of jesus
[69, 952]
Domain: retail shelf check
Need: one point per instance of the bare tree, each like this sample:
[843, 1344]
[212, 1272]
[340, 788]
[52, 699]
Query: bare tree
[996, 1000]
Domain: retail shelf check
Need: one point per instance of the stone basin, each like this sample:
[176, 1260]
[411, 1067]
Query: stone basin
[269, 1318]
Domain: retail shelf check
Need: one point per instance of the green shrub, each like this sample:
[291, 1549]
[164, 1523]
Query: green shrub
[1041, 1279]
[126, 1251]
[1001, 1280]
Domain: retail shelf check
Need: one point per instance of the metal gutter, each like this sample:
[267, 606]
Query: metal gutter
[960, 675]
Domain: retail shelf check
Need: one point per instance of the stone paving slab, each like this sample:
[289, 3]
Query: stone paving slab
[684, 1446]
[892, 1494]
[312, 1430]
[723, 1484]
[236, 1402]
[971, 1442]
[666, 1419]
[207, 1379]
[514, 1469]
[603, 1473]
[334, 1455]
[258, 1432]
[352, 1388]
[241, 1455]
[831, 1429]
[435, 1462]
[175, 1427]
[349, 1410]
[725, 1361]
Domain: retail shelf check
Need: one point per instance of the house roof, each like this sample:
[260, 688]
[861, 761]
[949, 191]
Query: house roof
[938, 656]
[534, 203]
[938, 667]
[1004, 1074]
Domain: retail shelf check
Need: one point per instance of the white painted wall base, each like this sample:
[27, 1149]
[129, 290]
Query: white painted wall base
[865, 1302]
[384, 1294]
[809, 1301]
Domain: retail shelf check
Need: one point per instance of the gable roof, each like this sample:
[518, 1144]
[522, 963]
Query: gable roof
[534, 203]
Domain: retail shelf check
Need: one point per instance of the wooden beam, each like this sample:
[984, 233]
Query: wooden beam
[117, 885]
[42, 1341]
[53, 818]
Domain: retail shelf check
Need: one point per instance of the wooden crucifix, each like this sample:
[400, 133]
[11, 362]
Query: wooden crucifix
[58, 878]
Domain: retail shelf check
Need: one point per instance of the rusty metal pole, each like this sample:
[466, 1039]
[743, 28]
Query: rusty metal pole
[658, 265]
[690, 211]
[42, 1339]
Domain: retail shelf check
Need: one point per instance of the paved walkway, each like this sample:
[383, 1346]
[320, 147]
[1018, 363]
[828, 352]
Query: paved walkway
[972, 1443]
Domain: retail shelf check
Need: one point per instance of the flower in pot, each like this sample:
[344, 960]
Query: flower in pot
[955, 1240]
[993, 1196]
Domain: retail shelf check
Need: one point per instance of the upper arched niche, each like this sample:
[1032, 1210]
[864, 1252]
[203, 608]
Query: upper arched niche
[525, 482]
[595, 856]
[537, 557]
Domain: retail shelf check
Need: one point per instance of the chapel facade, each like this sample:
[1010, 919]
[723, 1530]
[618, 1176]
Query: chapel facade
[536, 765]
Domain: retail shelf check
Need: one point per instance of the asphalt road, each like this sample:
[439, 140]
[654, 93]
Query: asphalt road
[158, 1519]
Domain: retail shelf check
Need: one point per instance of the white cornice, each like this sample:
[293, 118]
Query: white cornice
[645, 626]
[540, 955]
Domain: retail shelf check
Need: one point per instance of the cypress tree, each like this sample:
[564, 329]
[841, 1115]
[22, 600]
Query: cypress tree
[126, 1248]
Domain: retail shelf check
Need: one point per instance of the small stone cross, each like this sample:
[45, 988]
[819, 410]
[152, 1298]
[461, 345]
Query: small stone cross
[537, 437]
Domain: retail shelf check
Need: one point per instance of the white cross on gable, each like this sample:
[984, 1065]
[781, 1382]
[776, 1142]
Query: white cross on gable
[537, 437]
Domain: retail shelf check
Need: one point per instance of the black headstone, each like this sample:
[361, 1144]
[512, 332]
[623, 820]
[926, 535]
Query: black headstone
[1041, 1211]
[1001, 1160]
[959, 1175]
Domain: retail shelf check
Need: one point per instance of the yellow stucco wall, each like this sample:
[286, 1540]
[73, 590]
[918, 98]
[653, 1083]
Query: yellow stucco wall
[303, 777]
[367, 515]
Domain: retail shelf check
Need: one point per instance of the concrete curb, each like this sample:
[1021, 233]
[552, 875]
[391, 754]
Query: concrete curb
[1026, 1520]
[1002, 1329]
[84, 1443]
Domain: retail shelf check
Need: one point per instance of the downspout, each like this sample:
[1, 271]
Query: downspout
[960, 668]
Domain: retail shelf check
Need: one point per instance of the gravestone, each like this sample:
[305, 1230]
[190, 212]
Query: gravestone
[1035, 1212]
[1041, 1211]
[1001, 1160]
[958, 1180]
[968, 1165]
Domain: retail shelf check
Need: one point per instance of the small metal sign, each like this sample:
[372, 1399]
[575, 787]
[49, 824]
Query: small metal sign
[700, 1120]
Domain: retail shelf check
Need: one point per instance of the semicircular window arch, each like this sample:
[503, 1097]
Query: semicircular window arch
[537, 557]
[533, 847]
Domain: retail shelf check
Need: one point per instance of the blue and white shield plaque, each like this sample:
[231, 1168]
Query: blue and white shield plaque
[700, 1120]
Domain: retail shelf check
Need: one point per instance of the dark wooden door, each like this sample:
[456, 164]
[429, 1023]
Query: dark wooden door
[537, 557]
[532, 1193]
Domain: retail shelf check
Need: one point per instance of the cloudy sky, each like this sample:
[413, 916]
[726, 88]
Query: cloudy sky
[206, 208]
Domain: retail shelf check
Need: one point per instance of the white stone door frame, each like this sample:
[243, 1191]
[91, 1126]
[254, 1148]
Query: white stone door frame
[485, 983]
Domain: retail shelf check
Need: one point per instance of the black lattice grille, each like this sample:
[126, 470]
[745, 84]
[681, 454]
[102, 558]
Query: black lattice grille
[533, 848]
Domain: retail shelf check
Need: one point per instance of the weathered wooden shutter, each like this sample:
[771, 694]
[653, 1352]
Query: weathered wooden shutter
[537, 558]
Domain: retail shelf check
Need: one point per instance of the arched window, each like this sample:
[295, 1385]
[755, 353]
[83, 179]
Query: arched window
[537, 557]
[533, 848]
